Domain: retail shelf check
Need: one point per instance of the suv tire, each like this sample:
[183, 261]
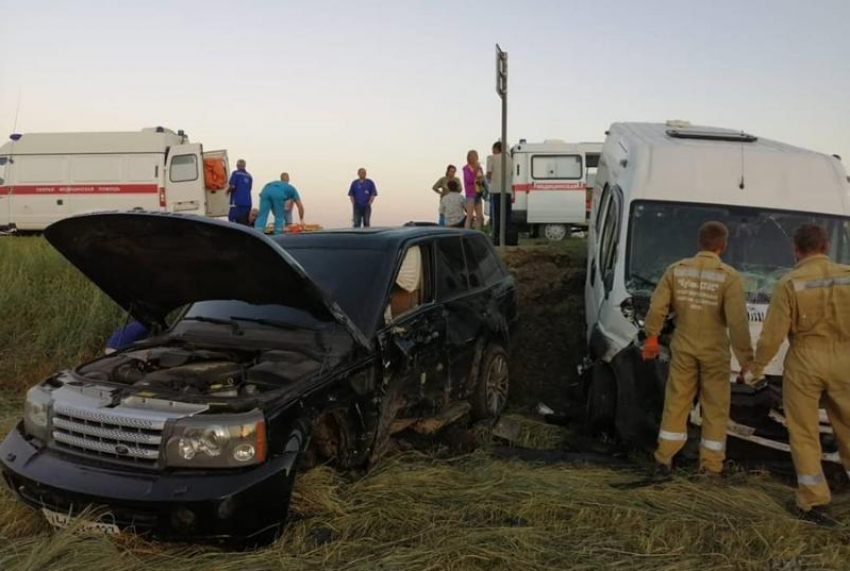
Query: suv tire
[491, 390]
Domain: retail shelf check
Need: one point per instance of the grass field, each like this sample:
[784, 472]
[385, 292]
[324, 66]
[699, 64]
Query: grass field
[419, 510]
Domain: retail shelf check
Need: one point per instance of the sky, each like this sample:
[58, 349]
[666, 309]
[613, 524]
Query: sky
[404, 88]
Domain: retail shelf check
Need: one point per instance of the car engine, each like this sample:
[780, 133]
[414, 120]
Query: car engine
[201, 371]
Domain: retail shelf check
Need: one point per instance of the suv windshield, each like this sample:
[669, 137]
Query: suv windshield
[351, 277]
[760, 242]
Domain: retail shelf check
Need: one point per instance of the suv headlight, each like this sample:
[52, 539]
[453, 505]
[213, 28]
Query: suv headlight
[37, 412]
[217, 441]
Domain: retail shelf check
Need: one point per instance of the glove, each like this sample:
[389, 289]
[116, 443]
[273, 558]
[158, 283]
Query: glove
[650, 348]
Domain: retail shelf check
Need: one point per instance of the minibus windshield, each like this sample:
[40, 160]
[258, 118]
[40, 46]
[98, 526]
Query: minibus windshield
[760, 247]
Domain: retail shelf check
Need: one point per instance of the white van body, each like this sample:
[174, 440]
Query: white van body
[656, 184]
[550, 183]
[45, 177]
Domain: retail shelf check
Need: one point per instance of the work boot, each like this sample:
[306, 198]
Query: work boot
[817, 515]
[709, 475]
[661, 473]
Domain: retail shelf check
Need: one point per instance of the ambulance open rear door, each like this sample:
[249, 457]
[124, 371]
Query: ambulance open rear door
[217, 201]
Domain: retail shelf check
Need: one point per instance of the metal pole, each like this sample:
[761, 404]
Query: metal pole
[502, 90]
[503, 197]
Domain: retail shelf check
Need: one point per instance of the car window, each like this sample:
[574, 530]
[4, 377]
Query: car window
[410, 288]
[451, 268]
[484, 268]
[608, 243]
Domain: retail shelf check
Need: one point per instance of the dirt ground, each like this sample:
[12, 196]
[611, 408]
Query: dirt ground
[549, 345]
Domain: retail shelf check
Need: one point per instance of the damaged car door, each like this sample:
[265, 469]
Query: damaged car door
[413, 337]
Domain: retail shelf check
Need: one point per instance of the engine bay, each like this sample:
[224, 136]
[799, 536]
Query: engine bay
[201, 372]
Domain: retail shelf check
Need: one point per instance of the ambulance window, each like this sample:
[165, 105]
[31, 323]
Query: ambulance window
[556, 167]
[184, 168]
[3, 161]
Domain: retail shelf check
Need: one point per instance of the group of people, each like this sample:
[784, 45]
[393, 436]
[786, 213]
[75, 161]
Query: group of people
[462, 199]
[810, 307]
[279, 197]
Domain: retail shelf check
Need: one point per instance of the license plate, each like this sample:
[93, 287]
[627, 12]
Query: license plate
[61, 520]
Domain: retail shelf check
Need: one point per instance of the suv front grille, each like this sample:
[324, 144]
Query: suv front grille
[114, 436]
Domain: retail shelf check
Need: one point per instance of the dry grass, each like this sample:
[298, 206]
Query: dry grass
[472, 512]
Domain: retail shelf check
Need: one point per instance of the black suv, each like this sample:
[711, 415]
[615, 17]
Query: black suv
[266, 354]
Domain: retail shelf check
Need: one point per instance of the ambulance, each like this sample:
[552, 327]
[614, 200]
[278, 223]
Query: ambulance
[550, 183]
[45, 177]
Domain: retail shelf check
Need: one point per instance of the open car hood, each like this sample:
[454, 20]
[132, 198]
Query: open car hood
[154, 263]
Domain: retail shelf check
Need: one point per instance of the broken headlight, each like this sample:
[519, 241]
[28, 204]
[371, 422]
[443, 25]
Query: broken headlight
[220, 441]
[629, 312]
[37, 412]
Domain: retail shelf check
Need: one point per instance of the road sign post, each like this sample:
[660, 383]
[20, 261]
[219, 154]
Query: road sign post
[502, 90]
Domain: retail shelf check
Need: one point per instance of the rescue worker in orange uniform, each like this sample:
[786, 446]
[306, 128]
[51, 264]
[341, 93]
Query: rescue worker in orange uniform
[811, 307]
[708, 298]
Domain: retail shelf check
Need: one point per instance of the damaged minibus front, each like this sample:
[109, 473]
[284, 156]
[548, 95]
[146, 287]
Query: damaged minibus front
[656, 185]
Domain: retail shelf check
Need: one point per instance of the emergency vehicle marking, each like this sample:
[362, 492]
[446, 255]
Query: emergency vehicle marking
[719, 277]
[697, 287]
[800, 285]
[527, 187]
[83, 189]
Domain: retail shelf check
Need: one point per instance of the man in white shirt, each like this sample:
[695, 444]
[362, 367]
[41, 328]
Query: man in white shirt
[494, 177]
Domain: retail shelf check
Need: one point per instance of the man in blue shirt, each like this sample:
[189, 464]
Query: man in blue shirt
[272, 198]
[240, 194]
[362, 193]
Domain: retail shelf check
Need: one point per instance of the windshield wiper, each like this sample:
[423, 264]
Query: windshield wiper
[234, 325]
[644, 280]
[278, 323]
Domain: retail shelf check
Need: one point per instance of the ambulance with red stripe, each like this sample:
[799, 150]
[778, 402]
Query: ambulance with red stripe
[45, 177]
[550, 183]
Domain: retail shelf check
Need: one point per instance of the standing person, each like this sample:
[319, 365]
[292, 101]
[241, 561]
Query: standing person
[453, 206]
[362, 193]
[272, 198]
[441, 186]
[811, 307]
[494, 177]
[473, 188]
[239, 189]
[708, 298]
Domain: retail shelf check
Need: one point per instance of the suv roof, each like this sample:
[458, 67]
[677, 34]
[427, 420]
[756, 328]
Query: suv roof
[368, 237]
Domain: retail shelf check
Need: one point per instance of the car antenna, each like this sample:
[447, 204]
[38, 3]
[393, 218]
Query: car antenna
[741, 185]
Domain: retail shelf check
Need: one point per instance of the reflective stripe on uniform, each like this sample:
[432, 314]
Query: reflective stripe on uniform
[810, 479]
[664, 435]
[714, 445]
[800, 285]
[685, 272]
